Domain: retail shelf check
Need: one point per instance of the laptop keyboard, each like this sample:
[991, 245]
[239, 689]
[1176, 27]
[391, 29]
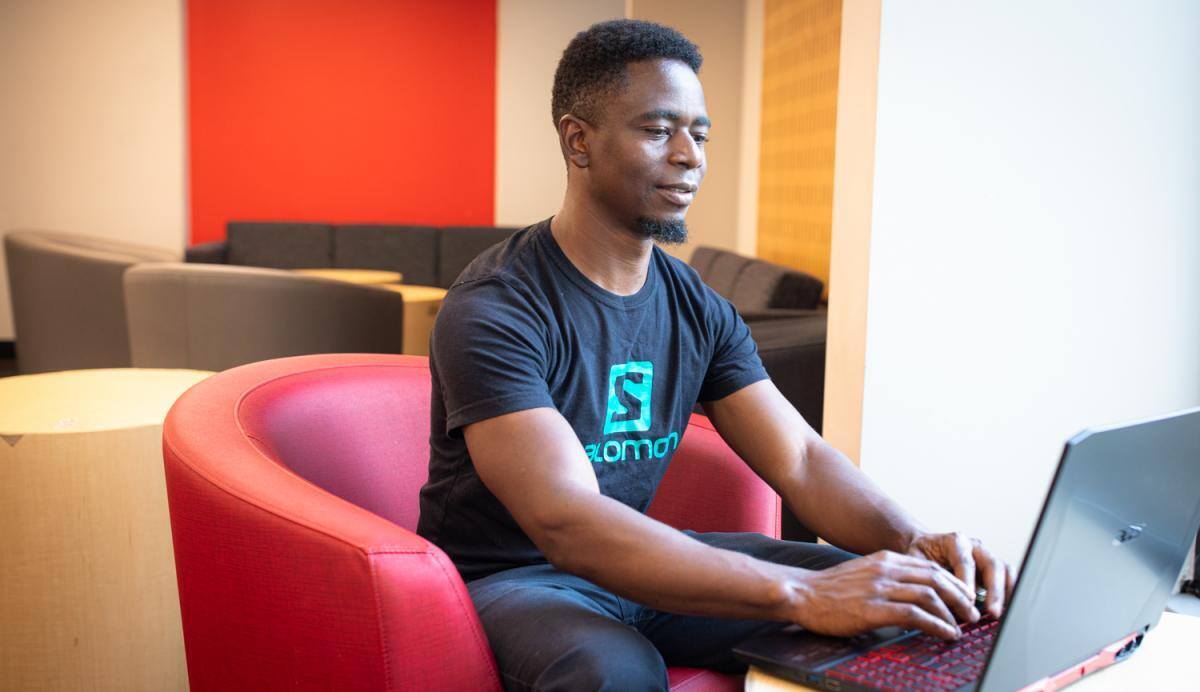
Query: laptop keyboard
[922, 662]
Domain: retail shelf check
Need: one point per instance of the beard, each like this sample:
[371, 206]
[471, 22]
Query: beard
[669, 232]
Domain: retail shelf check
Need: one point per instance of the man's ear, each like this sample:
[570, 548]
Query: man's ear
[573, 136]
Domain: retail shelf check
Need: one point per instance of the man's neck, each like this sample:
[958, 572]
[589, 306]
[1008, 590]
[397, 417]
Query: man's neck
[611, 256]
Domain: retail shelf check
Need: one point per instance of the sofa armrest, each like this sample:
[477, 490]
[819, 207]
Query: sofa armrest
[207, 253]
[793, 353]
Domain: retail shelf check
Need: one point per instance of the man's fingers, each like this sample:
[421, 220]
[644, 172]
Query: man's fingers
[943, 583]
[911, 561]
[993, 572]
[924, 597]
[914, 617]
[963, 561]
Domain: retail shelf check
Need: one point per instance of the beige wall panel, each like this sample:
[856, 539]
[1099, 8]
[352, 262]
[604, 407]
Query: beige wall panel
[1034, 246]
[530, 174]
[92, 129]
[851, 226]
[752, 73]
[799, 117]
[718, 28]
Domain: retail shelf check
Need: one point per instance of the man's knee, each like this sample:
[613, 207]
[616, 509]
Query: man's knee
[628, 663]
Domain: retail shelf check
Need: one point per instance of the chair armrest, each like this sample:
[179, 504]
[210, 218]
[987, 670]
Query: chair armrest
[207, 253]
[709, 488]
[284, 584]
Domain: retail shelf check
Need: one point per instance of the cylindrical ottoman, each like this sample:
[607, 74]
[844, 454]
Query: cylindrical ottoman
[88, 596]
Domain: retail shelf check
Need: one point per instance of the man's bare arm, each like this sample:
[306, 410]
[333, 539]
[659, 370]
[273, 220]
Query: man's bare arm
[826, 492]
[833, 498]
[533, 462]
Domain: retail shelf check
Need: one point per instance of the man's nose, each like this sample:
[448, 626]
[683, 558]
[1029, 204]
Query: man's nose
[685, 151]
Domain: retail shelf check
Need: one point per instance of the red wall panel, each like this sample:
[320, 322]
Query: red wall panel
[340, 110]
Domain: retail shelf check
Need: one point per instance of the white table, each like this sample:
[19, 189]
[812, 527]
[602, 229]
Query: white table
[1166, 660]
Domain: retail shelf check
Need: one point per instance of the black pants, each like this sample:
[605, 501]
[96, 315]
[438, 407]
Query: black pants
[554, 631]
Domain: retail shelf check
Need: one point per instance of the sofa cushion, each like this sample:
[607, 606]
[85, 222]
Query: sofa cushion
[724, 271]
[457, 246]
[207, 253]
[410, 250]
[702, 260]
[281, 245]
[761, 285]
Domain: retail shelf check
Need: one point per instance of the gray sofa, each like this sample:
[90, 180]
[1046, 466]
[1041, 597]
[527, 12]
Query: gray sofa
[785, 314]
[68, 310]
[422, 254]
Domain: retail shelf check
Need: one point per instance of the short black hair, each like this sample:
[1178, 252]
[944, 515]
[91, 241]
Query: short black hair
[593, 64]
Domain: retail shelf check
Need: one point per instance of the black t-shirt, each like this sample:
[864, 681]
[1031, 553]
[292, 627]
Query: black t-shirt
[522, 328]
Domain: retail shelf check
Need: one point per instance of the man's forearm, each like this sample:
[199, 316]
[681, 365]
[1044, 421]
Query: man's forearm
[827, 493]
[649, 562]
[838, 502]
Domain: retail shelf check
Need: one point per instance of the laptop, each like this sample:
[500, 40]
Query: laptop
[1110, 543]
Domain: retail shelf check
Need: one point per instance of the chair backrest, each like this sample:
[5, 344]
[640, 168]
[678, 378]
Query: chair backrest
[279, 244]
[359, 433]
[68, 309]
[363, 435]
[214, 317]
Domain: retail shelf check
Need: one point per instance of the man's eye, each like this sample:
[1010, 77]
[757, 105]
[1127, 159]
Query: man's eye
[658, 131]
[700, 137]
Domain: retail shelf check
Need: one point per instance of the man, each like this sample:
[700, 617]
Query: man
[565, 364]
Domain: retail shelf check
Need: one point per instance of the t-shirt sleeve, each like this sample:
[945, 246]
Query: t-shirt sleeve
[735, 362]
[489, 350]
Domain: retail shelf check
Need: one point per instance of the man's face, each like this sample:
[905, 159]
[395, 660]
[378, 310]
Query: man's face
[646, 158]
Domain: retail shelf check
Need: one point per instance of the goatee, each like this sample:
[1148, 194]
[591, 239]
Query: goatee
[669, 232]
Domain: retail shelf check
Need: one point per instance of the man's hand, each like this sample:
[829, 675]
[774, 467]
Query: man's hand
[880, 590]
[965, 557]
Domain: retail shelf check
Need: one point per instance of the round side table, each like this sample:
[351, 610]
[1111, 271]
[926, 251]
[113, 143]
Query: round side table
[88, 594]
[354, 276]
[421, 305]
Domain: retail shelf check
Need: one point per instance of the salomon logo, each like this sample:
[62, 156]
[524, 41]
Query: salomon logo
[629, 388]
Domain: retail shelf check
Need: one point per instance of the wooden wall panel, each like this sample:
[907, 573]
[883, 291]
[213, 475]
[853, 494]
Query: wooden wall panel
[801, 44]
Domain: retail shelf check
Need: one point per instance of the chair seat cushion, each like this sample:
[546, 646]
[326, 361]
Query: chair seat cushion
[699, 680]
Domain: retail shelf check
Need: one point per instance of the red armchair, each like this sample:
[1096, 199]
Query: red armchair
[292, 486]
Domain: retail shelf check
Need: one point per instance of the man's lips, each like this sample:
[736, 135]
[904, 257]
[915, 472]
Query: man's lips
[679, 194]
